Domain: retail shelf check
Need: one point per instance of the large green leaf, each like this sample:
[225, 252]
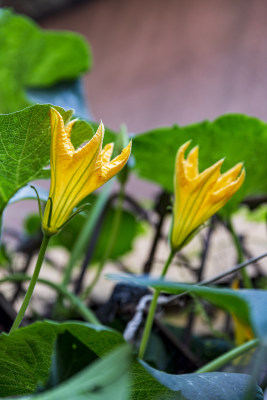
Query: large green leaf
[32, 57]
[146, 386]
[101, 381]
[151, 384]
[26, 354]
[45, 354]
[214, 385]
[53, 358]
[248, 304]
[25, 141]
[236, 137]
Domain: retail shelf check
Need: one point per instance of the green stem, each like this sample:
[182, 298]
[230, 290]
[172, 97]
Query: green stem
[246, 279]
[112, 240]
[152, 310]
[84, 311]
[32, 284]
[229, 356]
[86, 232]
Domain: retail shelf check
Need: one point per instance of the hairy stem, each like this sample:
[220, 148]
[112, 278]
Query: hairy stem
[152, 310]
[32, 284]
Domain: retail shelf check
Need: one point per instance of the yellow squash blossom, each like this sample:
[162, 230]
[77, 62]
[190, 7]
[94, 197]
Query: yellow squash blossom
[199, 195]
[76, 173]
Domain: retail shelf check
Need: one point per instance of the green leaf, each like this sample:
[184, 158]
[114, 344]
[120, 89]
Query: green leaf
[69, 357]
[148, 387]
[31, 57]
[48, 354]
[26, 354]
[214, 385]
[151, 384]
[25, 141]
[247, 304]
[236, 137]
[99, 381]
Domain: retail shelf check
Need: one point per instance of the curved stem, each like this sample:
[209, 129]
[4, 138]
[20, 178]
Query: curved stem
[112, 240]
[32, 284]
[152, 310]
[84, 311]
[229, 356]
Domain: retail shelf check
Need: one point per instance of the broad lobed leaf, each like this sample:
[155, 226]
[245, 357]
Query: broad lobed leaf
[213, 385]
[62, 360]
[25, 147]
[247, 304]
[236, 137]
[99, 381]
[26, 354]
[32, 58]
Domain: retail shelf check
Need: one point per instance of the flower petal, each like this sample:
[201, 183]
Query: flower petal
[192, 164]
[107, 152]
[199, 196]
[228, 191]
[189, 203]
[93, 147]
[228, 176]
[61, 145]
[112, 168]
[180, 178]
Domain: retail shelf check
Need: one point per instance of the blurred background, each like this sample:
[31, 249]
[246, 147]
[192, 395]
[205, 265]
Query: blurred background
[162, 62]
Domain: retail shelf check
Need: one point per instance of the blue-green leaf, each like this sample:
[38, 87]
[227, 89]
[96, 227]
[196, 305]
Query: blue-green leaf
[247, 304]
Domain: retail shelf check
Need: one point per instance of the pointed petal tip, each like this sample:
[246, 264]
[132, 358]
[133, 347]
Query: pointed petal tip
[181, 152]
[107, 152]
[239, 170]
[101, 126]
[100, 130]
[129, 145]
[54, 114]
[184, 146]
[242, 176]
[193, 154]
[53, 110]
[219, 163]
[125, 154]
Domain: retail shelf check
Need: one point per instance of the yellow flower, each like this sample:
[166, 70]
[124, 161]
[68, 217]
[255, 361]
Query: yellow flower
[76, 173]
[199, 195]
